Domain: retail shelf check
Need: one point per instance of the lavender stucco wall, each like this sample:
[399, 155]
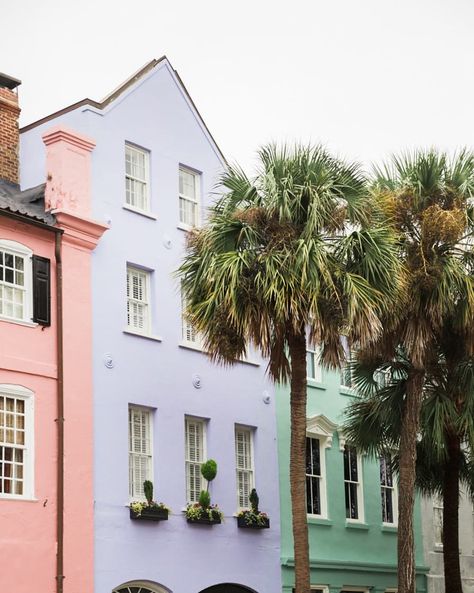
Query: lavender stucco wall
[183, 558]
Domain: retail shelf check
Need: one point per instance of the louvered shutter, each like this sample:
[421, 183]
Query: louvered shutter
[244, 468]
[194, 457]
[140, 454]
[41, 290]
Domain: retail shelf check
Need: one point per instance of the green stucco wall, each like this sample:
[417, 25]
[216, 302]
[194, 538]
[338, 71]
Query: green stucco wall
[341, 554]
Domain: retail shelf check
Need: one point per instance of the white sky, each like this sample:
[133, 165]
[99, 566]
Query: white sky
[366, 77]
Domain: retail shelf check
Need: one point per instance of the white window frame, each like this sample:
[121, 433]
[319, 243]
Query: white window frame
[20, 392]
[313, 363]
[188, 461]
[321, 428]
[250, 470]
[146, 303]
[187, 330]
[346, 370]
[145, 181]
[359, 484]
[394, 492]
[196, 200]
[438, 510]
[19, 250]
[149, 454]
[318, 477]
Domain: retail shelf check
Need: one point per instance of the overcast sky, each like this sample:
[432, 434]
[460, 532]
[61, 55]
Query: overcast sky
[366, 77]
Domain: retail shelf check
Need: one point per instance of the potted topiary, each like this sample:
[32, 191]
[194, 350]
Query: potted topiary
[148, 510]
[203, 512]
[253, 518]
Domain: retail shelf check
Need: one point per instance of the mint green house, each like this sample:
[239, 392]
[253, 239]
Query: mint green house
[351, 498]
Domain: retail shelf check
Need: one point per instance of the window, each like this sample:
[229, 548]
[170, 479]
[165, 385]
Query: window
[388, 492]
[438, 521]
[16, 442]
[244, 465]
[347, 372]
[195, 450]
[313, 476]
[138, 291]
[352, 484]
[188, 197]
[136, 177]
[140, 459]
[137, 587]
[313, 368]
[188, 334]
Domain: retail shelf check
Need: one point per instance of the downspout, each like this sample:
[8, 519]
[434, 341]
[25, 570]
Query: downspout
[59, 420]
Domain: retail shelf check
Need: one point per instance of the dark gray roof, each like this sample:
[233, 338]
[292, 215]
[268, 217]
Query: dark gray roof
[29, 202]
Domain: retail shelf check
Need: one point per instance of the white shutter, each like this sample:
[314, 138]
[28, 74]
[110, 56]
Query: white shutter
[140, 450]
[244, 465]
[194, 430]
[137, 299]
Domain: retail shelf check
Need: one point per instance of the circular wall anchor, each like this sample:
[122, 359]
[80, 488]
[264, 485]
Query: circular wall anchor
[108, 361]
[266, 397]
[167, 242]
[197, 381]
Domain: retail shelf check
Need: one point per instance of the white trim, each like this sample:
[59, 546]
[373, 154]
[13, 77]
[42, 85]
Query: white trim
[131, 332]
[323, 588]
[145, 302]
[21, 392]
[150, 587]
[145, 181]
[202, 422]
[251, 469]
[20, 250]
[394, 491]
[194, 200]
[321, 428]
[144, 213]
[149, 421]
[359, 488]
[314, 353]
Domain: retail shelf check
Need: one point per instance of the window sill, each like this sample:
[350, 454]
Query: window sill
[389, 528]
[356, 525]
[191, 346]
[316, 384]
[347, 391]
[138, 211]
[185, 227]
[140, 335]
[312, 520]
[19, 322]
[17, 498]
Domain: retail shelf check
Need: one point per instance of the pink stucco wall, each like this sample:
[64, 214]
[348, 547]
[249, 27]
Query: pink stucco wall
[28, 357]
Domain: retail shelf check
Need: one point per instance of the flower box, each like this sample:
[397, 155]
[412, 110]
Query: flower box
[150, 514]
[204, 519]
[243, 522]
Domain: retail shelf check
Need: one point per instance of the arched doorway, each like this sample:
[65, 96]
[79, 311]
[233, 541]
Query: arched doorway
[140, 587]
[228, 588]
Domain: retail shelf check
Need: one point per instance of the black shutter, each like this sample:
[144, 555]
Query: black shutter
[41, 290]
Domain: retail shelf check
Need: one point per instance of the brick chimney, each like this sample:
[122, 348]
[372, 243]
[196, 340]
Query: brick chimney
[9, 134]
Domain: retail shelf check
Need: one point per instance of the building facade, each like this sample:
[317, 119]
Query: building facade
[351, 498]
[160, 406]
[46, 237]
[432, 522]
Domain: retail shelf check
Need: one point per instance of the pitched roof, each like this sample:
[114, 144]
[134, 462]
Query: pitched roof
[29, 202]
[119, 91]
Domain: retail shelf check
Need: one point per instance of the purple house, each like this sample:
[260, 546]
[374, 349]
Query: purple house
[161, 407]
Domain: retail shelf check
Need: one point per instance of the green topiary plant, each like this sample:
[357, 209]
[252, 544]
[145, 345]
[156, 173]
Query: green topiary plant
[253, 499]
[205, 499]
[209, 471]
[148, 490]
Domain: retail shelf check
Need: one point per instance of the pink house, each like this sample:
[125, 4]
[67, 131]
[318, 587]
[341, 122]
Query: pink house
[46, 240]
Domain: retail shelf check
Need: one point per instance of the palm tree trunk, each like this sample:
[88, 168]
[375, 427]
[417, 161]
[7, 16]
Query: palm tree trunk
[452, 568]
[406, 499]
[297, 349]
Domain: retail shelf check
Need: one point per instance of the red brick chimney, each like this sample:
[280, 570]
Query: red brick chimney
[9, 134]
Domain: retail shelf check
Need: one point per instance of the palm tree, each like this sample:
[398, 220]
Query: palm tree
[276, 267]
[444, 449]
[427, 196]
